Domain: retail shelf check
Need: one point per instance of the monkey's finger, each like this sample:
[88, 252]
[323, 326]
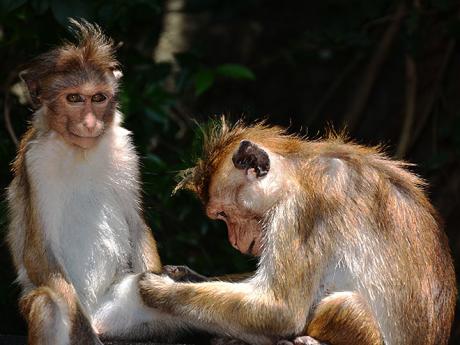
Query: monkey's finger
[172, 271]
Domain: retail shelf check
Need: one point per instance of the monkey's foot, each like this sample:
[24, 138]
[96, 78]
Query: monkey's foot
[304, 340]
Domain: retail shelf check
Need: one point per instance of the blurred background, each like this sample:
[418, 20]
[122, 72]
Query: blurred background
[388, 70]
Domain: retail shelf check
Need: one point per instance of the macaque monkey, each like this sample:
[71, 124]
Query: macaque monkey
[77, 235]
[350, 249]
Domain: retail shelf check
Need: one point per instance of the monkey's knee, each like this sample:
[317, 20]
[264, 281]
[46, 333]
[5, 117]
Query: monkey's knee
[47, 319]
[345, 318]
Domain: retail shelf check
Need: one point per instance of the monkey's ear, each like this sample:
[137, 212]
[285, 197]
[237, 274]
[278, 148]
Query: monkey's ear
[250, 156]
[117, 73]
[33, 87]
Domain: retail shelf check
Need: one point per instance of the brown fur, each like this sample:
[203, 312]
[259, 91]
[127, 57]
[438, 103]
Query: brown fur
[344, 320]
[340, 204]
[43, 307]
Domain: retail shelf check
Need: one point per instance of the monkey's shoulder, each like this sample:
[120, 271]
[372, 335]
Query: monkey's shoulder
[345, 160]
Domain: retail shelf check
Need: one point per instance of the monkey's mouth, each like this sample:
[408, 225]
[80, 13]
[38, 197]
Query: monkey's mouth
[85, 141]
[86, 136]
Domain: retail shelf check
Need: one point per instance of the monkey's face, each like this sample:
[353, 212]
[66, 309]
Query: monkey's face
[80, 114]
[242, 191]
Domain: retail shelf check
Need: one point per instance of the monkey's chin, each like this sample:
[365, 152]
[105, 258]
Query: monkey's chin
[83, 142]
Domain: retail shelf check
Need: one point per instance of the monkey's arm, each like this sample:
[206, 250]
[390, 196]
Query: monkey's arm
[146, 257]
[274, 303]
[240, 307]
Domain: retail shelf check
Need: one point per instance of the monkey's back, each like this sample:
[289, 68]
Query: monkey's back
[392, 249]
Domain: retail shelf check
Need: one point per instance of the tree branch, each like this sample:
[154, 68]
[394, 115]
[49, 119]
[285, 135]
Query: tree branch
[372, 70]
[334, 87]
[434, 95]
[411, 96]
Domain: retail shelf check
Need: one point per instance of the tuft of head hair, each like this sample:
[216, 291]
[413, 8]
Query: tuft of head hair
[89, 58]
[92, 48]
[220, 139]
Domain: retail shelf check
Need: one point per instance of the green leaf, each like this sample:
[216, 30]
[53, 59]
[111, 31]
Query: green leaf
[204, 79]
[235, 71]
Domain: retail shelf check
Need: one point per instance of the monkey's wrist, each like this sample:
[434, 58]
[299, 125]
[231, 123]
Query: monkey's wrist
[155, 291]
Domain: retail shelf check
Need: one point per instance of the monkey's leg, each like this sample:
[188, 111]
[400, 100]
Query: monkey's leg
[344, 318]
[50, 321]
[47, 319]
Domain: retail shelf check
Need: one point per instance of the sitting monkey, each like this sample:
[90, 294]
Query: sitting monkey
[76, 234]
[350, 249]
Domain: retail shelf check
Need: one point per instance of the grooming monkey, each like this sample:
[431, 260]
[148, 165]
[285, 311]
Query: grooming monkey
[76, 234]
[350, 249]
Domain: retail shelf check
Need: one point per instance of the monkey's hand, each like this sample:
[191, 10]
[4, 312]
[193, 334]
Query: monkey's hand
[183, 274]
[154, 290]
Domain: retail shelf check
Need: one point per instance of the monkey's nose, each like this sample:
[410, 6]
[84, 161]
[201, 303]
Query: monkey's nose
[90, 122]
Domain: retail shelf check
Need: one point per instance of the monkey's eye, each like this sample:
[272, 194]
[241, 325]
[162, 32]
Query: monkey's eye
[74, 98]
[98, 98]
[221, 214]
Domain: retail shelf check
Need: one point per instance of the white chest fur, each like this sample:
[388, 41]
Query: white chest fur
[85, 201]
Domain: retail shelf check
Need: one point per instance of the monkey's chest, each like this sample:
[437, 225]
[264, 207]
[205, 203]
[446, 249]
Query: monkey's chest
[93, 243]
